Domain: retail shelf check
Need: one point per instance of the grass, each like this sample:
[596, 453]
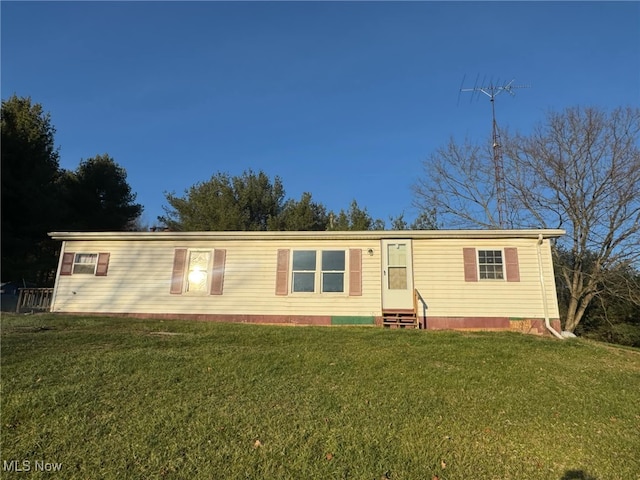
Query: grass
[135, 399]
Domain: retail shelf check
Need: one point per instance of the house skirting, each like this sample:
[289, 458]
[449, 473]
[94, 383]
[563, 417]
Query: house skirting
[524, 325]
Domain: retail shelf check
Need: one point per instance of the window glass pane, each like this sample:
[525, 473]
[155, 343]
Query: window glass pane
[198, 260]
[86, 257]
[483, 271]
[333, 260]
[333, 282]
[304, 260]
[84, 268]
[397, 255]
[197, 281]
[397, 278]
[303, 282]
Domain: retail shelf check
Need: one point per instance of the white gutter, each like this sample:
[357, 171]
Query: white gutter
[545, 304]
[326, 235]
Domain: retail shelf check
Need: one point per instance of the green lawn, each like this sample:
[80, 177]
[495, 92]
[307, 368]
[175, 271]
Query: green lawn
[121, 398]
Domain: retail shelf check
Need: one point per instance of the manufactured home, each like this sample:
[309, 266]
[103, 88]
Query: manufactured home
[431, 279]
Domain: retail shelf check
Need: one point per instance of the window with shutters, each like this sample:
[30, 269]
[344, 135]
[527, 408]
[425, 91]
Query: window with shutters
[198, 272]
[491, 264]
[84, 263]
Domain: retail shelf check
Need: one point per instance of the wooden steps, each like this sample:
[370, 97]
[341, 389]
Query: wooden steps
[399, 318]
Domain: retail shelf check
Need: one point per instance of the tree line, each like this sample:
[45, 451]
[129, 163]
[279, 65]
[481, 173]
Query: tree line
[38, 196]
[252, 201]
[578, 170]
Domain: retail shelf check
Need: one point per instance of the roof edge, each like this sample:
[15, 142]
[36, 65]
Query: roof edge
[297, 235]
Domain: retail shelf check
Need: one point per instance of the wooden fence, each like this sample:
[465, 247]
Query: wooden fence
[34, 300]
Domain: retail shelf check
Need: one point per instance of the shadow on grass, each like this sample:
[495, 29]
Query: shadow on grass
[577, 475]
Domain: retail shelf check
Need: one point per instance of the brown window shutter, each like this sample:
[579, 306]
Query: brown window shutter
[103, 265]
[66, 268]
[511, 263]
[282, 273]
[217, 279]
[355, 272]
[177, 276]
[470, 265]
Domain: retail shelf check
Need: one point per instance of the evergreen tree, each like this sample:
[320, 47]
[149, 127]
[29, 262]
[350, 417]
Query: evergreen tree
[224, 203]
[30, 204]
[98, 197]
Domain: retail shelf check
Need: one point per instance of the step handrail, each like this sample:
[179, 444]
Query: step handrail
[421, 320]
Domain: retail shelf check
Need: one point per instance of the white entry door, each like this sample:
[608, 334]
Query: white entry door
[397, 274]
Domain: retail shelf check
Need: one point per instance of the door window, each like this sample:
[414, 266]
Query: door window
[397, 259]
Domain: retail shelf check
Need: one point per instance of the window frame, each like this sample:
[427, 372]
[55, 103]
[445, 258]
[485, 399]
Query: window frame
[207, 271]
[328, 271]
[502, 264]
[319, 273]
[302, 271]
[76, 263]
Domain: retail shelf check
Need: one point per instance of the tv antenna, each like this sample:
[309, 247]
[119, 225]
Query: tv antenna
[492, 90]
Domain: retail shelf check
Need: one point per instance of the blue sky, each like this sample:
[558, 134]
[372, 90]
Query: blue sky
[341, 99]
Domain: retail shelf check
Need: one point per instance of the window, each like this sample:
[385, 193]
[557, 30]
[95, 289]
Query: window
[198, 271]
[490, 265]
[500, 264]
[85, 263]
[304, 271]
[192, 271]
[397, 259]
[326, 270]
[333, 271]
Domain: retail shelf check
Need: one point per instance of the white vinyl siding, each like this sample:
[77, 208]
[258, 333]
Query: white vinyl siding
[439, 276]
[140, 274]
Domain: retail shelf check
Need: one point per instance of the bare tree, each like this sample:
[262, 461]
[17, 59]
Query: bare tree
[459, 186]
[579, 170]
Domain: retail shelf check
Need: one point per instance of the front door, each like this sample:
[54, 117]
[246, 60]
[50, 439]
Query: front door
[397, 275]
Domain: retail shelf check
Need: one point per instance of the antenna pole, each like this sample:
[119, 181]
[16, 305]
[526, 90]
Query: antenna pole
[498, 164]
[492, 91]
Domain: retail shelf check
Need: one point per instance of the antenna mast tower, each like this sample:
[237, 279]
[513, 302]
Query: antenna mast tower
[492, 90]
